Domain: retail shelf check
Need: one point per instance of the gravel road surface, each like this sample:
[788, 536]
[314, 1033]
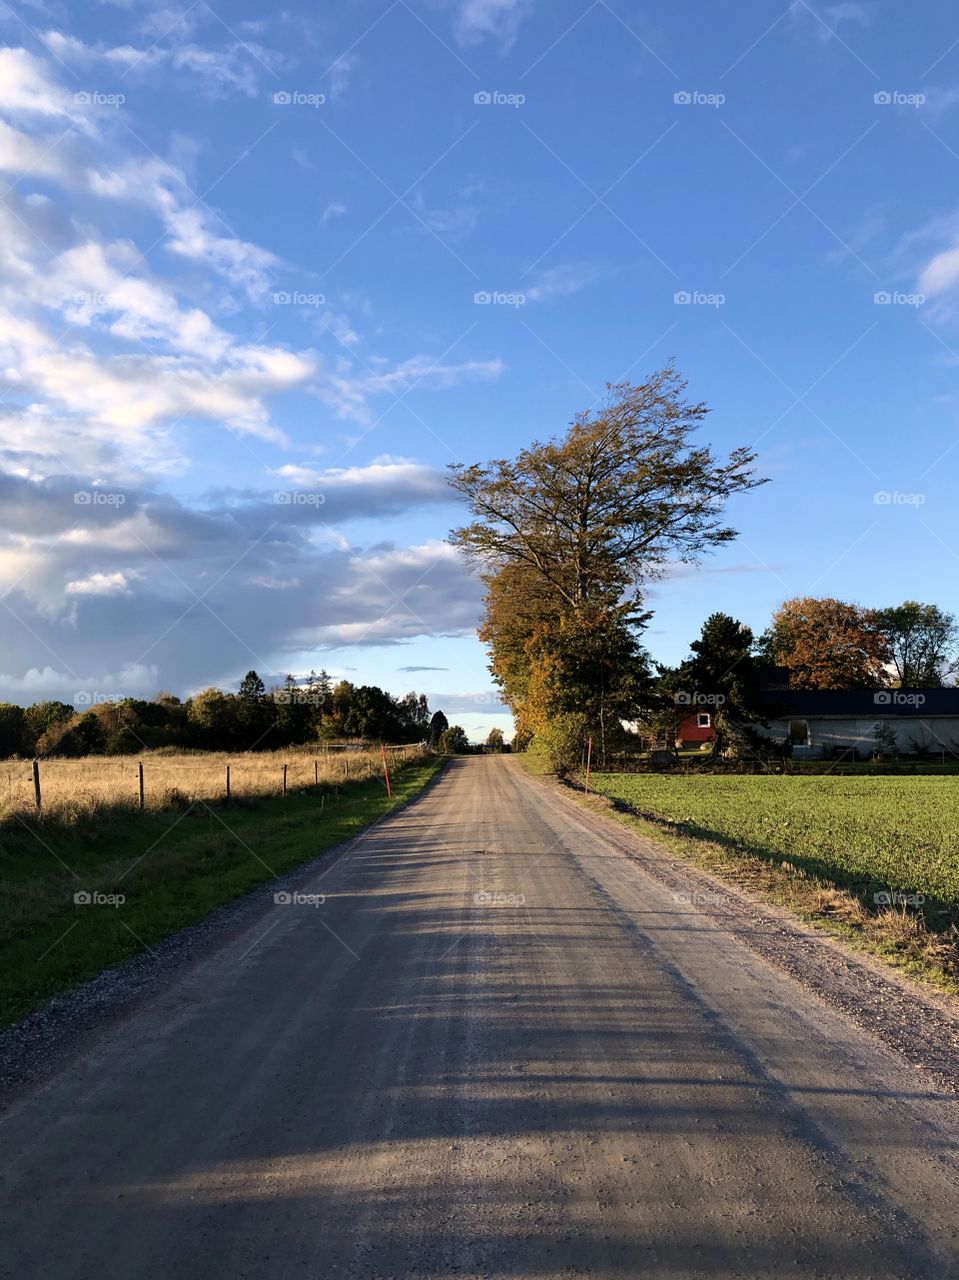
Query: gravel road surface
[498, 1048]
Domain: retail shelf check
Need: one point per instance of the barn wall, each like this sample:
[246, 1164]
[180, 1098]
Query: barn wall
[934, 733]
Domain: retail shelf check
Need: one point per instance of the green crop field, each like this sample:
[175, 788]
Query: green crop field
[868, 834]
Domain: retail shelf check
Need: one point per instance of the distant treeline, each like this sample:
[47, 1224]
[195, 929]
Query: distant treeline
[253, 719]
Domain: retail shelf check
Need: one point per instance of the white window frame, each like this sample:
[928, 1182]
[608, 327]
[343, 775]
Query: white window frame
[703, 720]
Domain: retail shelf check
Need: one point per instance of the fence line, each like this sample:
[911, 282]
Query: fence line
[91, 781]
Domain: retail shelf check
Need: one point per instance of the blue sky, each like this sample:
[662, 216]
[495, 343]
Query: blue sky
[239, 267]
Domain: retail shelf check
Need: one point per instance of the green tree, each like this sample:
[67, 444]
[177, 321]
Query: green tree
[39, 717]
[372, 714]
[213, 716]
[454, 741]
[721, 677]
[922, 641]
[256, 714]
[319, 691]
[81, 736]
[292, 714]
[438, 726]
[591, 672]
[494, 740]
[414, 716]
[341, 696]
[14, 734]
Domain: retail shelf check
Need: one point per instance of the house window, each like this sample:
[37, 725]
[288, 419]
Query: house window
[799, 733]
[704, 719]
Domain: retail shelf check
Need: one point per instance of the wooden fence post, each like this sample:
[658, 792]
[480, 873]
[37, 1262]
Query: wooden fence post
[347, 768]
[589, 757]
[284, 779]
[228, 784]
[36, 781]
[140, 780]
[316, 773]
[386, 773]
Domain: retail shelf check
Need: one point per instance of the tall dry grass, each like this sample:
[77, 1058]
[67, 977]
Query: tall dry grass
[73, 789]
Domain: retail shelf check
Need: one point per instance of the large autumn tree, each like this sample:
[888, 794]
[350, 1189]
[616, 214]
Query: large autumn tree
[828, 644]
[566, 535]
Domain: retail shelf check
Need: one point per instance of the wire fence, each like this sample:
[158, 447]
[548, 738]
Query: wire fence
[159, 780]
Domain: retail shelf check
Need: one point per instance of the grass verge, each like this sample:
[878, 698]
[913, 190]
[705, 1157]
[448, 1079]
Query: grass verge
[172, 869]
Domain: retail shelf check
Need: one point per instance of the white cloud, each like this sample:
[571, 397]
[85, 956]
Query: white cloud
[333, 210]
[340, 73]
[940, 273]
[27, 91]
[498, 20]
[383, 483]
[46, 682]
[423, 370]
[349, 392]
[826, 20]
[561, 281]
[111, 359]
[118, 583]
[193, 228]
[69, 49]
[236, 67]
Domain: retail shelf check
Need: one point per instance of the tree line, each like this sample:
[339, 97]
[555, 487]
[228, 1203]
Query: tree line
[252, 719]
[820, 643]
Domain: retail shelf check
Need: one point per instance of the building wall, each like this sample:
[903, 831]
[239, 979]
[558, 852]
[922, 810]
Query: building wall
[933, 733]
[691, 733]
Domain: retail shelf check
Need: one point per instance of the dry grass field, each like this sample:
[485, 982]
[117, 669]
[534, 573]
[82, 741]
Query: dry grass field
[71, 789]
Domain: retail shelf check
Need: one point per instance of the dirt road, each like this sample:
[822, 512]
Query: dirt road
[496, 1049]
